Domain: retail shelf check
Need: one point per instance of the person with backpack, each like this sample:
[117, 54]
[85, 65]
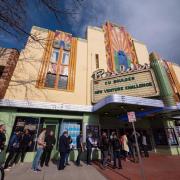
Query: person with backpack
[104, 146]
[89, 146]
[80, 148]
[25, 142]
[69, 140]
[13, 149]
[116, 145]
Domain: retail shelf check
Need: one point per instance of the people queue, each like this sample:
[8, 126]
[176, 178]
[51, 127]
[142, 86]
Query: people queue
[113, 148]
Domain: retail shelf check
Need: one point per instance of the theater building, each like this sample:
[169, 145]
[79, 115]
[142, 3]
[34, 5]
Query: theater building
[63, 82]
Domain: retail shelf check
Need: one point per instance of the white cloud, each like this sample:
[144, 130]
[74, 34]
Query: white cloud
[156, 23]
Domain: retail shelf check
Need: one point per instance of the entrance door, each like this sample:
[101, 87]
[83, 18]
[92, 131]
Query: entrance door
[53, 126]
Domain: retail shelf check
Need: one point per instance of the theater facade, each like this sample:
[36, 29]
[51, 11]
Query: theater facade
[66, 83]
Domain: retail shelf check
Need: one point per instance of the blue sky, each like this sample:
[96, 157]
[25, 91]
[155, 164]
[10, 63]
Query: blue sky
[154, 22]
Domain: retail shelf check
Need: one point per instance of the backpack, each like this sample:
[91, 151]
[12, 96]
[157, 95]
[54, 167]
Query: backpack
[116, 144]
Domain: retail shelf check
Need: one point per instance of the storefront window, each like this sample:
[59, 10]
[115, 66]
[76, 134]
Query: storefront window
[160, 136]
[33, 124]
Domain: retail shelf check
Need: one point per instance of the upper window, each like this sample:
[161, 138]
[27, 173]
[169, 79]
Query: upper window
[65, 59]
[57, 75]
[97, 60]
[54, 56]
[1, 70]
[58, 66]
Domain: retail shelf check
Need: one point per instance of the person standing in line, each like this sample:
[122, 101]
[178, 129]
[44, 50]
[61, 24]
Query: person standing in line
[50, 141]
[40, 148]
[69, 140]
[104, 146]
[13, 149]
[110, 147]
[63, 148]
[144, 144]
[116, 145]
[80, 148]
[89, 146]
[125, 147]
[25, 142]
[2, 137]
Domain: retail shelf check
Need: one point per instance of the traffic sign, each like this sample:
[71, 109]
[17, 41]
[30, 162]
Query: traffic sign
[131, 116]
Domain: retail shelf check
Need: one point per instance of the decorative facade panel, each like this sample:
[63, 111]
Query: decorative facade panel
[119, 48]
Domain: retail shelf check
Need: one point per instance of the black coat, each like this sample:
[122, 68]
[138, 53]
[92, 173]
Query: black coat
[50, 142]
[104, 144]
[2, 140]
[63, 144]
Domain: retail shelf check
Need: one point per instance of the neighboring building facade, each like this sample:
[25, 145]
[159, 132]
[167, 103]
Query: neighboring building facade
[8, 60]
[62, 82]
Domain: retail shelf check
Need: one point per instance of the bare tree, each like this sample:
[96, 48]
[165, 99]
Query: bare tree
[14, 14]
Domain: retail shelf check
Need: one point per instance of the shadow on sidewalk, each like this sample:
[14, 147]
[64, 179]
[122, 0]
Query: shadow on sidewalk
[110, 167]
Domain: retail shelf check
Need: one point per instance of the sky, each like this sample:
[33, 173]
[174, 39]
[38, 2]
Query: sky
[153, 22]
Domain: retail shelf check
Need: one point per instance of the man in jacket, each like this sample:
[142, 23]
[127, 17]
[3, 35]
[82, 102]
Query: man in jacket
[2, 137]
[63, 148]
[116, 151]
[80, 148]
[50, 141]
[13, 148]
[104, 146]
[40, 148]
[89, 146]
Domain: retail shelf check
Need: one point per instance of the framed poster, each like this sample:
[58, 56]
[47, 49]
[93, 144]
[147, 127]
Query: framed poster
[171, 136]
[73, 128]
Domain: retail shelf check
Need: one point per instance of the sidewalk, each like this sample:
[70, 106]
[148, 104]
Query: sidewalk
[24, 172]
[157, 167]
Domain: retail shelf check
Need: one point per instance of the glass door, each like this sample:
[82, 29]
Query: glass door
[53, 125]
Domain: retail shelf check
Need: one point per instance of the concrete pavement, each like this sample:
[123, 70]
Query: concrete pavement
[24, 172]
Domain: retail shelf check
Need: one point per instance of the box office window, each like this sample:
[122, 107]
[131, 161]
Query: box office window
[35, 126]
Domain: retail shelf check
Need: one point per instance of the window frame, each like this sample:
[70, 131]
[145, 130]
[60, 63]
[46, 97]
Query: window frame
[60, 65]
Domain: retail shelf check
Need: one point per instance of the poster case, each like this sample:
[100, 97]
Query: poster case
[171, 136]
[73, 128]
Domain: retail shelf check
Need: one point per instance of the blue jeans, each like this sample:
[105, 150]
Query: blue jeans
[37, 158]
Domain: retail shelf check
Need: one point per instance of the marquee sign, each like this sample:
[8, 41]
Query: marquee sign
[140, 82]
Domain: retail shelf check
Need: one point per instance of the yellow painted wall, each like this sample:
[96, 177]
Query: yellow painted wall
[141, 52]
[96, 45]
[23, 82]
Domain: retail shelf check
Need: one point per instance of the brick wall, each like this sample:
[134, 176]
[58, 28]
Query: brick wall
[8, 59]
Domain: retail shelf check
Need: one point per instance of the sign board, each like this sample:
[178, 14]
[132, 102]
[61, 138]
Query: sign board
[131, 116]
[140, 83]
